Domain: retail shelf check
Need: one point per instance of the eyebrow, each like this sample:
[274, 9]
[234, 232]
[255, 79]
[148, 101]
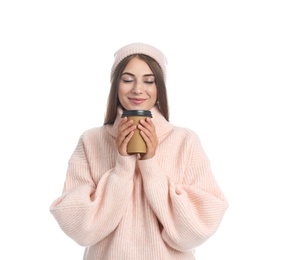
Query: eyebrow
[145, 75]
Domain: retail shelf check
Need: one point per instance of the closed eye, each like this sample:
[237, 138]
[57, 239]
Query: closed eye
[127, 80]
[149, 79]
[149, 82]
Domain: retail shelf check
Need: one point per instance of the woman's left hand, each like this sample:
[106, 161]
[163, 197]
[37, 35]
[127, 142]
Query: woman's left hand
[147, 131]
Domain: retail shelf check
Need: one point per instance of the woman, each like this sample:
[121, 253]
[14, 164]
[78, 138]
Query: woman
[158, 205]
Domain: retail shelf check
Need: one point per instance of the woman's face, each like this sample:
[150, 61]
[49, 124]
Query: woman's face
[137, 89]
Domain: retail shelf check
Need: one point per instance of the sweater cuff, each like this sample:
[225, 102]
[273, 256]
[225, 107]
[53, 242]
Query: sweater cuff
[125, 165]
[150, 170]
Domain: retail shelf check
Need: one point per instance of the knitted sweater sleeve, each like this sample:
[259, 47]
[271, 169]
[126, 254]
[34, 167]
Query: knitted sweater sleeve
[190, 211]
[84, 208]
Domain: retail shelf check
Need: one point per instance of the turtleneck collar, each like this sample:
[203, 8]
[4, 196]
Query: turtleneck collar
[162, 126]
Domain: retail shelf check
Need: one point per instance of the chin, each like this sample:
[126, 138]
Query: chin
[140, 108]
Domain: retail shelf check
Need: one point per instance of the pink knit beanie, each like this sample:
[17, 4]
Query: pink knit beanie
[140, 48]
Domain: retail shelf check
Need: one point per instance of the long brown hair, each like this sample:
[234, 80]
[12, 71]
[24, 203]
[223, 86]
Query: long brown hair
[113, 100]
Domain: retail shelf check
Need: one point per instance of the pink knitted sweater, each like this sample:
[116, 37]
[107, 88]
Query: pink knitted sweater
[121, 208]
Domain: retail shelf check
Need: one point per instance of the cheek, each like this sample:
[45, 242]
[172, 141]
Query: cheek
[153, 92]
[120, 91]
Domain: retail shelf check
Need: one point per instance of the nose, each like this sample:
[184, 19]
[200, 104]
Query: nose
[137, 88]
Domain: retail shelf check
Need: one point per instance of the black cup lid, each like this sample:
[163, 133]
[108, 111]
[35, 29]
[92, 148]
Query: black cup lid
[146, 113]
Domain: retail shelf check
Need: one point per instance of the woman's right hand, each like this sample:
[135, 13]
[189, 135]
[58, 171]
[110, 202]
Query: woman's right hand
[125, 133]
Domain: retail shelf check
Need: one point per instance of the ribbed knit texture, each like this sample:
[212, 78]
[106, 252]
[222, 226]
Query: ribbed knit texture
[139, 48]
[121, 208]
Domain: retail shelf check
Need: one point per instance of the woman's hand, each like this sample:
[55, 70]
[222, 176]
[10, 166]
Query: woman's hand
[125, 133]
[147, 131]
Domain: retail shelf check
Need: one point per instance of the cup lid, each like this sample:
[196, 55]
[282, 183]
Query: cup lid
[146, 113]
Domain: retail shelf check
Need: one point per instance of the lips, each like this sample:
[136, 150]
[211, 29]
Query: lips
[137, 100]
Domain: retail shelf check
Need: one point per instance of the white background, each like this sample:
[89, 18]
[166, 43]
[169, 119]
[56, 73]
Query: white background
[225, 64]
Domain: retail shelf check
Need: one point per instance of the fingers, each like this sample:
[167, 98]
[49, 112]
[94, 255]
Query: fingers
[125, 127]
[125, 133]
[147, 131]
[148, 128]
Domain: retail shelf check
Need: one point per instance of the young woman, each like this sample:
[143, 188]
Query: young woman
[158, 205]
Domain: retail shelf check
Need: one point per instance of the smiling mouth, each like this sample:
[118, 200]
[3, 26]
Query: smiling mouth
[137, 100]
